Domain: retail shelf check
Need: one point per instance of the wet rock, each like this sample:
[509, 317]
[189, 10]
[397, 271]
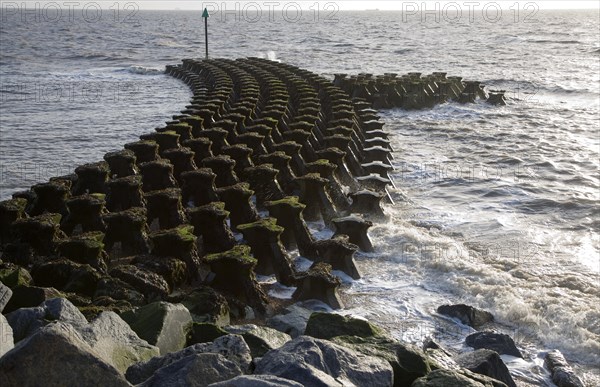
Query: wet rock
[218, 138]
[293, 319]
[29, 296]
[329, 325]
[150, 284]
[67, 276]
[263, 182]
[194, 370]
[466, 314]
[237, 202]
[407, 361]
[50, 197]
[319, 284]
[501, 343]
[61, 344]
[162, 324]
[165, 205]
[454, 378]
[87, 248]
[223, 167]
[281, 162]
[85, 211]
[182, 160]
[41, 233]
[292, 149]
[367, 203]
[356, 229]
[157, 175]
[5, 295]
[240, 153]
[263, 238]
[232, 347]
[26, 321]
[562, 373]
[6, 336]
[339, 253]
[257, 381]
[173, 270]
[288, 212]
[254, 141]
[234, 274]
[121, 163]
[129, 228]
[317, 200]
[91, 178]
[165, 140]
[178, 242]
[207, 305]
[315, 362]
[124, 193]
[326, 170]
[116, 289]
[488, 363]
[337, 156]
[260, 339]
[205, 333]
[202, 148]
[144, 151]
[12, 275]
[209, 221]
[181, 128]
[10, 211]
[199, 187]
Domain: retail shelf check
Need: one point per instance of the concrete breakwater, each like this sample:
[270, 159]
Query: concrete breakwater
[133, 269]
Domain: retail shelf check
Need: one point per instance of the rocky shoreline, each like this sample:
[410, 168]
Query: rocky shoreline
[142, 269]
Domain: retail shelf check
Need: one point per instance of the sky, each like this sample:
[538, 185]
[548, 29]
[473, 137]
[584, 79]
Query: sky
[321, 4]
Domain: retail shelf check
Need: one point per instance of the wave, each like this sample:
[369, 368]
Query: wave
[145, 70]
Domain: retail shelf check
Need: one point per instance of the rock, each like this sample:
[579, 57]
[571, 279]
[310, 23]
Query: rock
[207, 305]
[467, 315]
[316, 362]
[205, 333]
[12, 275]
[67, 275]
[150, 284]
[194, 370]
[292, 320]
[329, 325]
[407, 361]
[26, 321]
[259, 339]
[67, 360]
[162, 324]
[447, 378]
[488, 363]
[115, 342]
[6, 336]
[257, 381]
[501, 343]
[173, 270]
[232, 347]
[562, 373]
[318, 283]
[116, 289]
[28, 296]
[5, 295]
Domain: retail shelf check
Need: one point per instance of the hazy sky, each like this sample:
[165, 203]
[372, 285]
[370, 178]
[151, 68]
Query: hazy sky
[313, 4]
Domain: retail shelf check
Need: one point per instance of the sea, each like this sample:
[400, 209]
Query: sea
[495, 206]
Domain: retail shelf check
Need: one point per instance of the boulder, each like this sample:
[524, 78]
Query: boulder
[205, 333]
[12, 275]
[6, 336]
[66, 275]
[150, 284]
[257, 381]
[448, 378]
[499, 342]
[316, 362]
[466, 314]
[28, 296]
[407, 361]
[117, 289]
[488, 363]
[162, 324]
[5, 295]
[562, 373]
[26, 321]
[260, 339]
[292, 320]
[328, 325]
[195, 370]
[207, 305]
[232, 347]
[68, 361]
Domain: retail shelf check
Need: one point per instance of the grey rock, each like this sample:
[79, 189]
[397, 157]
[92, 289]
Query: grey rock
[259, 339]
[115, 342]
[257, 381]
[499, 342]
[196, 370]
[467, 314]
[162, 324]
[456, 378]
[232, 347]
[488, 363]
[5, 295]
[292, 321]
[67, 361]
[6, 336]
[26, 321]
[316, 362]
[562, 373]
